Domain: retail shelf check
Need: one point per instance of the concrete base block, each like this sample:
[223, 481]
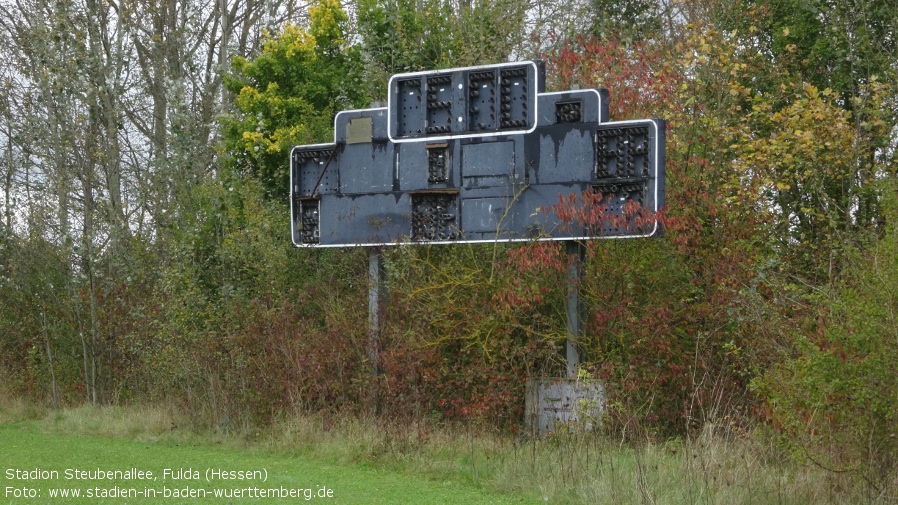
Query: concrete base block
[558, 403]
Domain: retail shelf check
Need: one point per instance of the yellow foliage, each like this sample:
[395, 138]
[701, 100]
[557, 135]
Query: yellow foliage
[327, 17]
[295, 41]
[247, 97]
[807, 150]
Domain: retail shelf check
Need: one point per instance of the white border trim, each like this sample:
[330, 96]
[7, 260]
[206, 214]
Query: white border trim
[599, 121]
[370, 109]
[426, 138]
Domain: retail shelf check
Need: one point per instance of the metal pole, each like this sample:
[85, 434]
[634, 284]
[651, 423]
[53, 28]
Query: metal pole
[376, 294]
[575, 253]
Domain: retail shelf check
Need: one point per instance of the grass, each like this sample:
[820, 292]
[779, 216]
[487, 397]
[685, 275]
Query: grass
[367, 461]
[26, 447]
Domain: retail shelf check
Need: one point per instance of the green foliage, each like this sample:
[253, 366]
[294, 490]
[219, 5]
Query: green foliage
[804, 168]
[629, 21]
[837, 45]
[37, 312]
[234, 269]
[834, 403]
[290, 94]
[468, 325]
[847, 51]
[411, 35]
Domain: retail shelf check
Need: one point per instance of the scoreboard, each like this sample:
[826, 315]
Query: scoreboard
[478, 154]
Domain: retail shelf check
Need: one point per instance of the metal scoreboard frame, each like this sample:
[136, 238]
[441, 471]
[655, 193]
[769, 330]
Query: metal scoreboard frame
[478, 154]
[458, 102]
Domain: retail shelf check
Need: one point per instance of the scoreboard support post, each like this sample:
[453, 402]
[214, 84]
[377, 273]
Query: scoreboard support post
[377, 292]
[574, 307]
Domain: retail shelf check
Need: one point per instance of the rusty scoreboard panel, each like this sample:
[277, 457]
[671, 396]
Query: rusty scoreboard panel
[479, 154]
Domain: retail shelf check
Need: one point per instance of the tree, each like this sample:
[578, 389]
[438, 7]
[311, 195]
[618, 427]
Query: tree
[290, 94]
[848, 50]
[108, 125]
[833, 400]
[628, 21]
[410, 35]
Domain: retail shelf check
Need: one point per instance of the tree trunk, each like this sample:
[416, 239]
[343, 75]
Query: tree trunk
[53, 385]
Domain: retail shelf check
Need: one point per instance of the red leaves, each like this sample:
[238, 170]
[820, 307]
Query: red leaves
[592, 211]
[640, 78]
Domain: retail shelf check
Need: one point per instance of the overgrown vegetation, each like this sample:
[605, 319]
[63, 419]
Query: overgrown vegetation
[721, 465]
[144, 250]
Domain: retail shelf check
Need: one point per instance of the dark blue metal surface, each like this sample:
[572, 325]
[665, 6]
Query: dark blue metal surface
[443, 164]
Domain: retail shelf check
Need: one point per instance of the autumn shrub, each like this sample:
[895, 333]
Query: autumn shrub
[833, 402]
[678, 326]
[309, 366]
[460, 338]
[43, 322]
[640, 77]
[270, 358]
[451, 383]
[469, 325]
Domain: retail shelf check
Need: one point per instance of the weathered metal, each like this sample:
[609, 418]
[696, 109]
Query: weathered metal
[478, 154]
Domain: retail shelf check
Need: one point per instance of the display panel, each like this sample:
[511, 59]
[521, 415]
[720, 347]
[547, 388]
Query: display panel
[479, 155]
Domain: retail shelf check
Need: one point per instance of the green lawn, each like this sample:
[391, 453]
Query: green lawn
[58, 458]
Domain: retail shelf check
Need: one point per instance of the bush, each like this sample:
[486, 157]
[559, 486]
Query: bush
[833, 403]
